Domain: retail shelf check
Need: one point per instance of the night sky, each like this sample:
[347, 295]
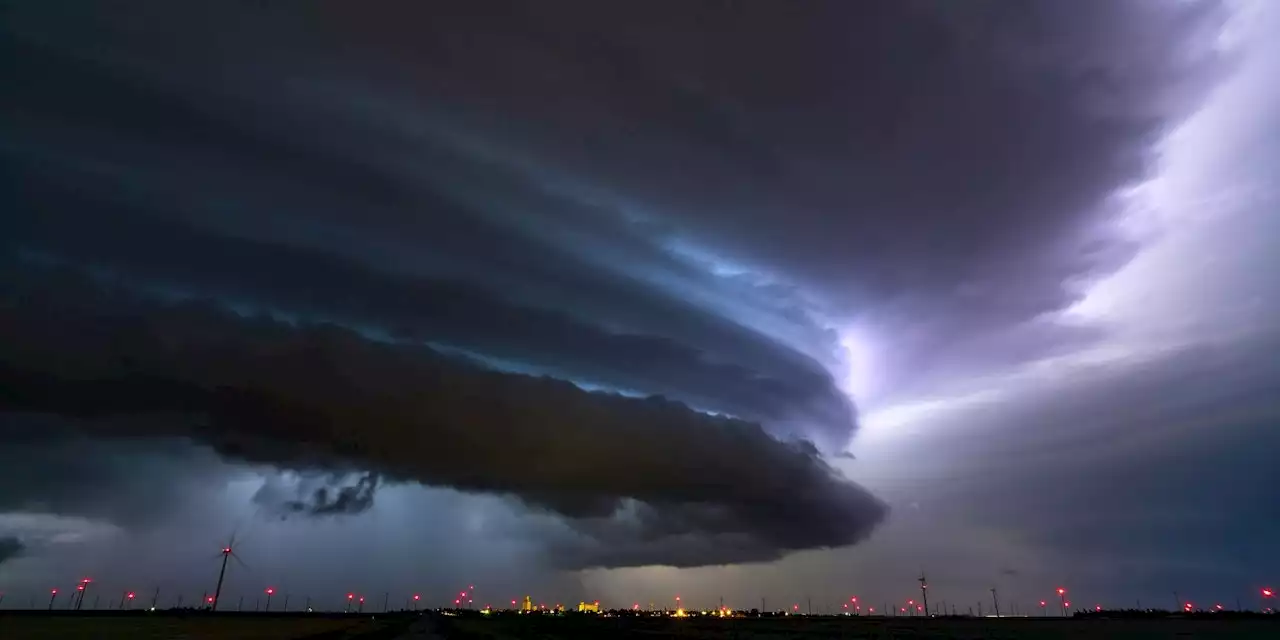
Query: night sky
[619, 301]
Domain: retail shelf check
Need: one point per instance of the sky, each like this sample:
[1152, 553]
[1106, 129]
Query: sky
[746, 300]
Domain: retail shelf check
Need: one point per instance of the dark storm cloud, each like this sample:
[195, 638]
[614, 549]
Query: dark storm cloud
[318, 496]
[940, 169]
[10, 548]
[316, 397]
[495, 277]
[309, 283]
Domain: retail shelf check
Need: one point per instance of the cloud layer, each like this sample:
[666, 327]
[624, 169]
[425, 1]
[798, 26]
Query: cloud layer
[321, 397]
[329, 239]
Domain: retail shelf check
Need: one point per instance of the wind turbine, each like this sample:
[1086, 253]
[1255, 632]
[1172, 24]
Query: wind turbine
[924, 593]
[227, 552]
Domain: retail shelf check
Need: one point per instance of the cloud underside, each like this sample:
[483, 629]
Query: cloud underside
[642, 480]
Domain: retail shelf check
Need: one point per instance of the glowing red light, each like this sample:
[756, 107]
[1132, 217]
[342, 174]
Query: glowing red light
[415, 596]
[53, 591]
[912, 602]
[1218, 607]
[130, 595]
[795, 606]
[226, 549]
[846, 606]
[1066, 604]
[361, 598]
[456, 601]
[209, 599]
[513, 603]
[1042, 603]
[1187, 606]
[86, 580]
[472, 587]
[80, 588]
[1097, 608]
[1267, 593]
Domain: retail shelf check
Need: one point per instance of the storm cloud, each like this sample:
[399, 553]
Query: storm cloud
[320, 397]
[645, 269]
[725, 206]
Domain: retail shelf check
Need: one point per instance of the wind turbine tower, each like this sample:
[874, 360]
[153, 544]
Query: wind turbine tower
[924, 591]
[227, 553]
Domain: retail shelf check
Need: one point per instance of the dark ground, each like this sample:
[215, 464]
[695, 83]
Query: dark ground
[803, 628]
[163, 625]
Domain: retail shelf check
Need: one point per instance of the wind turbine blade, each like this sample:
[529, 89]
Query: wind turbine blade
[239, 561]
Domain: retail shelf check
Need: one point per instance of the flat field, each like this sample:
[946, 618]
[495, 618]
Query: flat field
[187, 627]
[804, 628]
[587, 627]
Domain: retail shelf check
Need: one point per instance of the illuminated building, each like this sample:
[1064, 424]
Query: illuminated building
[527, 605]
[589, 607]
